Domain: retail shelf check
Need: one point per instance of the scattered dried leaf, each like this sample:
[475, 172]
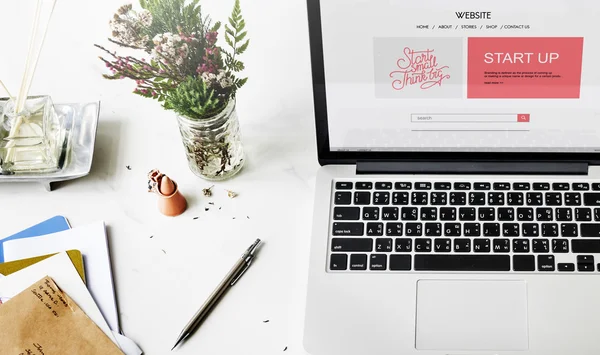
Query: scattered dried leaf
[208, 191]
[266, 321]
[285, 348]
[164, 251]
[231, 194]
[195, 218]
[151, 236]
[128, 167]
[211, 203]
[247, 217]
[206, 209]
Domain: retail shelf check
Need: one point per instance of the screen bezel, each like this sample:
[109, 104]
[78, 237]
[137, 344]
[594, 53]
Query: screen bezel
[326, 156]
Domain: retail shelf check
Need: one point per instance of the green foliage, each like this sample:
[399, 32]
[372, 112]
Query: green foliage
[174, 15]
[235, 36]
[194, 99]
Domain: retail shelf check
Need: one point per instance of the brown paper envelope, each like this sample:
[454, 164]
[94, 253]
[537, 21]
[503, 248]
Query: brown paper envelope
[10, 267]
[43, 320]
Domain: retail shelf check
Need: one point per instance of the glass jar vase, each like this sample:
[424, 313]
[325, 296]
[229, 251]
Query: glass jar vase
[213, 145]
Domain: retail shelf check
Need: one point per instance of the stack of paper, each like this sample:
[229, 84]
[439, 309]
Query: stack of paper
[94, 304]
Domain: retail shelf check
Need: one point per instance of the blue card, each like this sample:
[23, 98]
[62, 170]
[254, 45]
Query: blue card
[52, 225]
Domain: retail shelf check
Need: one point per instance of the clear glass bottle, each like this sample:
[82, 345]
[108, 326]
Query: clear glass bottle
[213, 146]
[32, 140]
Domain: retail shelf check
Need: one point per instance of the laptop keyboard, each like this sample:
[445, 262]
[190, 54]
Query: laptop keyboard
[459, 226]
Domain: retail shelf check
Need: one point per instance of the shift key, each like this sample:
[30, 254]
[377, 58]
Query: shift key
[352, 244]
[349, 228]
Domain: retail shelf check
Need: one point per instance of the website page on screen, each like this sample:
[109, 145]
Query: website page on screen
[438, 75]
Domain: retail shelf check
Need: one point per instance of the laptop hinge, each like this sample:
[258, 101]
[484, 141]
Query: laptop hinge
[473, 167]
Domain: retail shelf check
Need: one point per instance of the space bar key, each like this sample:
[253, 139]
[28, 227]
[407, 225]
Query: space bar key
[462, 263]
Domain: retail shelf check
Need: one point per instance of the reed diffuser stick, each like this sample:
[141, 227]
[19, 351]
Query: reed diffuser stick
[7, 91]
[20, 99]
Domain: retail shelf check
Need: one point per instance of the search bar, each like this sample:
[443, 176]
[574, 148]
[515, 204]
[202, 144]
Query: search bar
[468, 117]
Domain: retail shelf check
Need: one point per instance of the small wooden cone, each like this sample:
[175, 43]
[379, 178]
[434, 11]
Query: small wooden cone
[170, 201]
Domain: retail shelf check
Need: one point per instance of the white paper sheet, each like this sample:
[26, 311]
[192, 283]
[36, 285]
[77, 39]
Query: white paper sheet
[91, 241]
[61, 270]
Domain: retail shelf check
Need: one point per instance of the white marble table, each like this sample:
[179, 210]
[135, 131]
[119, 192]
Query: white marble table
[165, 267]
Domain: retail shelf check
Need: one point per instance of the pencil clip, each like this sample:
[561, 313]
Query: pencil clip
[241, 273]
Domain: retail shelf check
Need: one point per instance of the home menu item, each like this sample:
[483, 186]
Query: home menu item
[434, 75]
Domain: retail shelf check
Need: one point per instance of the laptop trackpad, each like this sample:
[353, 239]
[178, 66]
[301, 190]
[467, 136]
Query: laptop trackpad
[471, 315]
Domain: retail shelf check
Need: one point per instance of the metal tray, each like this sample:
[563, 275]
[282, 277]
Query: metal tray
[83, 139]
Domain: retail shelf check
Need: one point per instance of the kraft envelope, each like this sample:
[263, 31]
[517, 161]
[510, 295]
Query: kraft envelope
[44, 320]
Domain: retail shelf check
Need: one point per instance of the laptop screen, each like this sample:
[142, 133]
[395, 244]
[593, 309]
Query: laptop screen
[468, 75]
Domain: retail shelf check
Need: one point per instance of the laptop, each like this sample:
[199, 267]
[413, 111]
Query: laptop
[457, 208]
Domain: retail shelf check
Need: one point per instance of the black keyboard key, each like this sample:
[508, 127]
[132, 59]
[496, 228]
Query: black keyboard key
[585, 267]
[390, 213]
[393, 229]
[520, 245]
[400, 198]
[496, 198]
[343, 198]
[472, 229]
[481, 245]
[482, 186]
[383, 186]
[414, 229]
[560, 186]
[433, 229]
[362, 198]
[530, 230]
[491, 229]
[506, 214]
[560, 245]
[590, 230]
[565, 267]
[572, 199]
[477, 198]
[564, 214]
[442, 245]
[550, 230]
[381, 198]
[403, 245]
[597, 214]
[583, 214]
[541, 186]
[352, 244]
[422, 186]
[591, 246]
[523, 263]
[338, 262]
[553, 199]
[501, 186]
[543, 214]
[462, 186]
[462, 245]
[370, 213]
[515, 199]
[521, 186]
[442, 186]
[510, 229]
[535, 199]
[400, 262]
[462, 262]
[378, 262]
[343, 185]
[358, 262]
[422, 245]
[591, 199]
[374, 229]
[448, 214]
[569, 230]
[585, 259]
[364, 185]
[409, 213]
[486, 214]
[346, 213]
[501, 245]
[403, 185]
[439, 198]
[525, 214]
[348, 228]
[467, 214]
[540, 246]
[383, 245]
[458, 198]
[581, 186]
[452, 229]
[596, 186]
[419, 198]
[545, 262]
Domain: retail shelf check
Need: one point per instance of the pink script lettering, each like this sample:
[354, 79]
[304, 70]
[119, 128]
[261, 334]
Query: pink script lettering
[418, 67]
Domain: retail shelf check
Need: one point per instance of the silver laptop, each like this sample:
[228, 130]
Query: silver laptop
[457, 209]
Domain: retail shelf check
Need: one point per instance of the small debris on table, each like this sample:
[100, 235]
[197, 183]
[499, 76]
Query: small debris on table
[151, 236]
[211, 203]
[285, 348]
[208, 191]
[231, 194]
[247, 217]
[206, 209]
[195, 218]
[266, 321]
[164, 251]
[128, 167]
